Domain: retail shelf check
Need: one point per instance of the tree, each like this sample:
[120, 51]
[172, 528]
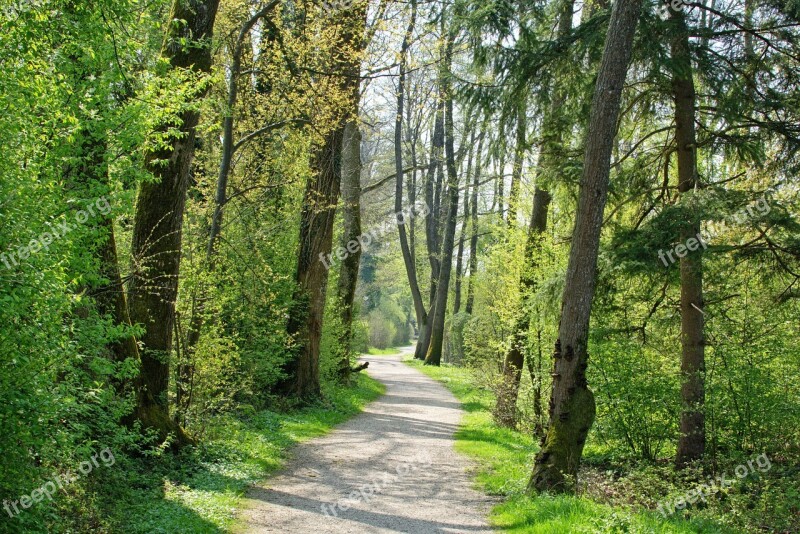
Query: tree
[156, 245]
[433, 355]
[692, 428]
[319, 207]
[572, 405]
[351, 187]
[405, 247]
[552, 138]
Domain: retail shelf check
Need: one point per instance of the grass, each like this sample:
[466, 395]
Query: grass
[382, 352]
[505, 459]
[200, 490]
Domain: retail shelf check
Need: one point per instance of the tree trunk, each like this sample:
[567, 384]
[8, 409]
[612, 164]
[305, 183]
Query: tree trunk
[408, 256]
[351, 186]
[431, 228]
[316, 241]
[463, 238]
[505, 412]
[319, 211]
[433, 355]
[572, 405]
[348, 272]
[156, 243]
[473, 240]
[552, 137]
[691, 444]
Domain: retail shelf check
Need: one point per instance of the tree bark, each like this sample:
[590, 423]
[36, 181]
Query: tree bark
[311, 276]
[572, 405]
[156, 243]
[433, 355]
[351, 188]
[348, 272]
[691, 445]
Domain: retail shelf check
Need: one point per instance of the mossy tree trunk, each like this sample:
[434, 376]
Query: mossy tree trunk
[353, 40]
[572, 405]
[348, 272]
[156, 244]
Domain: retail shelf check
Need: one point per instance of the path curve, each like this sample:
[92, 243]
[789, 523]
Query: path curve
[391, 468]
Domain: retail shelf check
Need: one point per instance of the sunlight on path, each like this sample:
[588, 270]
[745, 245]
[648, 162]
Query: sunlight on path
[390, 469]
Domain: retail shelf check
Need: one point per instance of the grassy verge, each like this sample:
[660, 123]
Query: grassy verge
[200, 490]
[504, 459]
[382, 352]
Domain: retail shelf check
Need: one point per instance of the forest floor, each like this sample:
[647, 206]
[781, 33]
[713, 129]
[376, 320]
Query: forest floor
[392, 468]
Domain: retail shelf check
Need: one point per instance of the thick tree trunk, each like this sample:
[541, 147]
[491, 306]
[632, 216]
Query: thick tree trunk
[691, 444]
[351, 186]
[572, 406]
[348, 272]
[316, 240]
[156, 244]
[433, 355]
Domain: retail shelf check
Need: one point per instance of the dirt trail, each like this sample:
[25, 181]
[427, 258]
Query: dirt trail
[389, 469]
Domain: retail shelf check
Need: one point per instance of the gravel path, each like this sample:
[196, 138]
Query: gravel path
[389, 469]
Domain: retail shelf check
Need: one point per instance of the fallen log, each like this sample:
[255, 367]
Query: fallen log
[359, 368]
